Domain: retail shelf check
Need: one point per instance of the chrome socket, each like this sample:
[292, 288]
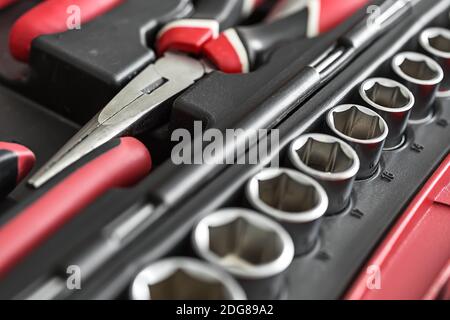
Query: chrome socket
[182, 278]
[253, 248]
[393, 102]
[364, 130]
[293, 199]
[331, 162]
[422, 76]
[436, 43]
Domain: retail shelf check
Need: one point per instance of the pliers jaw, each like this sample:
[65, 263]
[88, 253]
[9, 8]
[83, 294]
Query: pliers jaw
[144, 97]
[127, 111]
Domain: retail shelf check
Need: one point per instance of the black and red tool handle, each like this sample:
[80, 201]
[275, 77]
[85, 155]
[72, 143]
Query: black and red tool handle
[6, 3]
[210, 17]
[118, 164]
[49, 17]
[101, 57]
[16, 161]
[241, 49]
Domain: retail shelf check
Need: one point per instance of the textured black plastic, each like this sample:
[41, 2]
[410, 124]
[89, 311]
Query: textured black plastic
[36, 194]
[182, 194]
[347, 239]
[169, 184]
[258, 39]
[94, 60]
[29, 124]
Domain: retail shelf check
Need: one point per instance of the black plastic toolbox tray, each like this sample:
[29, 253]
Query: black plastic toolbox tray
[115, 276]
[95, 60]
[91, 59]
[346, 240]
[169, 184]
[237, 96]
[30, 124]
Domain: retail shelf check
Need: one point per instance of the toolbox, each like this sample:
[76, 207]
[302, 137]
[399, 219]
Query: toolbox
[320, 94]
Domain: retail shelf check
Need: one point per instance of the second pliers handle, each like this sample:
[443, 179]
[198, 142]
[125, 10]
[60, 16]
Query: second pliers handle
[120, 163]
[16, 161]
[209, 19]
[6, 3]
[241, 49]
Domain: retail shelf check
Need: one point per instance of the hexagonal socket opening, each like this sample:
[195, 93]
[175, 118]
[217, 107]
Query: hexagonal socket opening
[184, 285]
[240, 242]
[357, 124]
[287, 194]
[324, 156]
[440, 42]
[418, 69]
[387, 96]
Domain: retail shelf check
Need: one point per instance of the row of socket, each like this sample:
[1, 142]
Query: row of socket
[248, 253]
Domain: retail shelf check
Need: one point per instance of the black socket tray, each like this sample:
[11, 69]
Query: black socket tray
[168, 184]
[346, 240]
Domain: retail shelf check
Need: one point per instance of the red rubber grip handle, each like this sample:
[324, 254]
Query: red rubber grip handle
[5, 3]
[123, 165]
[25, 158]
[229, 52]
[190, 35]
[16, 161]
[49, 17]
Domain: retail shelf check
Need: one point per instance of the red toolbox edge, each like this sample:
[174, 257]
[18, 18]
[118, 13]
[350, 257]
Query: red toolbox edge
[413, 261]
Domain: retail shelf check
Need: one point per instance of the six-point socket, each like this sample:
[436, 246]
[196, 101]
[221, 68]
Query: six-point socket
[293, 199]
[422, 76]
[183, 278]
[364, 130]
[393, 102]
[254, 249]
[436, 43]
[331, 162]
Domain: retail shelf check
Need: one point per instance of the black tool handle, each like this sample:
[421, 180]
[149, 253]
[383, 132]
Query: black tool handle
[209, 18]
[259, 39]
[100, 57]
[227, 13]
[239, 50]
[242, 49]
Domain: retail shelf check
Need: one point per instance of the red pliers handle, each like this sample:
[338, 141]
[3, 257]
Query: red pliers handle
[16, 161]
[6, 3]
[209, 19]
[49, 17]
[238, 50]
[117, 164]
[193, 34]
